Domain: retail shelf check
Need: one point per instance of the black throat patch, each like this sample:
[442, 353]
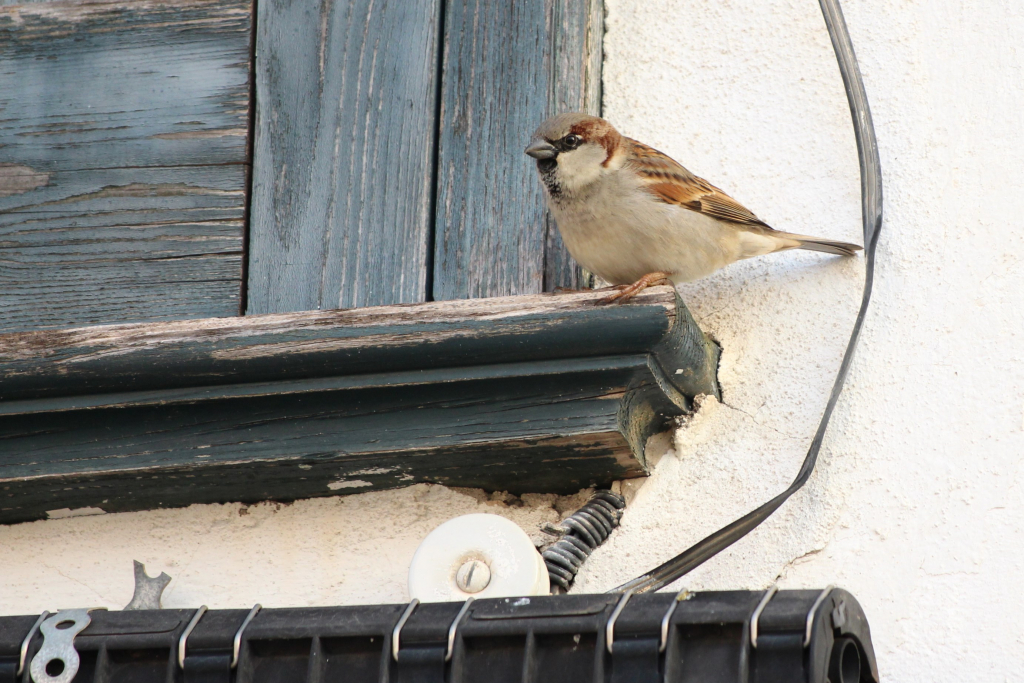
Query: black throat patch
[547, 168]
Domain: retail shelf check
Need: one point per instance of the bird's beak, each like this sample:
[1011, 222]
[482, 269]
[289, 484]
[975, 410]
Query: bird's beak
[541, 149]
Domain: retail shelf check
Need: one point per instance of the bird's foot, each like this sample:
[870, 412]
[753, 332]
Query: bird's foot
[627, 292]
[570, 290]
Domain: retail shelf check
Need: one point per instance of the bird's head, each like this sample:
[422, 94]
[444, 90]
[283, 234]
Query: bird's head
[573, 151]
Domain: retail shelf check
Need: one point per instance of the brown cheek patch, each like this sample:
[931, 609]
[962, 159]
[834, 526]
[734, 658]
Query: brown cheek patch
[610, 142]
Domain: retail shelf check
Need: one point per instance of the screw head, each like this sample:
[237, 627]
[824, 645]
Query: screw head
[473, 576]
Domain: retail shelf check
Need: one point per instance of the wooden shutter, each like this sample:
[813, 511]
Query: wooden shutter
[507, 67]
[389, 160]
[387, 166]
[343, 182]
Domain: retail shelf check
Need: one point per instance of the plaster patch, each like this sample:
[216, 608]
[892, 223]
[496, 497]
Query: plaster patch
[348, 484]
[374, 470]
[65, 513]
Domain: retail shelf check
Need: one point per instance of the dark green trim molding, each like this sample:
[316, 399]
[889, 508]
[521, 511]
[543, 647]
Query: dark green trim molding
[543, 393]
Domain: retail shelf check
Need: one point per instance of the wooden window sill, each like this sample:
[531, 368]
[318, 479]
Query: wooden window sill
[541, 393]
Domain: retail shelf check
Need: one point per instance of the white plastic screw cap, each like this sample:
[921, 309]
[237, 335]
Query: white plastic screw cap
[514, 566]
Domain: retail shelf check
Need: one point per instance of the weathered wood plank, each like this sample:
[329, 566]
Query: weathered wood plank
[343, 165]
[123, 132]
[120, 249]
[541, 393]
[577, 56]
[524, 431]
[507, 67]
[263, 348]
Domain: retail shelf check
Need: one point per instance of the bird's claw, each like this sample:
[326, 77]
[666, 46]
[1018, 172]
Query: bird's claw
[624, 293]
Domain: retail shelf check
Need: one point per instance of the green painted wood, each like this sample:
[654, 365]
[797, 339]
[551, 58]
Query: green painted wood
[343, 165]
[337, 343]
[540, 393]
[507, 67]
[525, 431]
[123, 132]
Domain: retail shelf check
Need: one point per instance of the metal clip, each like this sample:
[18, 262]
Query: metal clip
[236, 644]
[455, 627]
[680, 596]
[808, 629]
[186, 633]
[148, 589]
[398, 627]
[28, 640]
[609, 628]
[768, 595]
[57, 660]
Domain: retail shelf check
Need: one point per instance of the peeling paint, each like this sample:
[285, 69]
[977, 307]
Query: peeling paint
[374, 470]
[348, 484]
[65, 513]
[201, 134]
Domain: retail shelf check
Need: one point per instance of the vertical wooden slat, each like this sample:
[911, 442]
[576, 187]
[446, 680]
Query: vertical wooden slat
[507, 66]
[576, 61]
[343, 165]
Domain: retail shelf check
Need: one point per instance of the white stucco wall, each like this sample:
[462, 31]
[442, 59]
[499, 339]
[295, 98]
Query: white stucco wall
[917, 504]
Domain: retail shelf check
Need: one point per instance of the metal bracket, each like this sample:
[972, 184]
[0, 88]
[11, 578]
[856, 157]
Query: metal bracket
[398, 627]
[682, 595]
[236, 644]
[454, 628]
[768, 595]
[148, 589]
[57, 660]
[28, 641]
[809, 628]
[183, 640]
[609, 629]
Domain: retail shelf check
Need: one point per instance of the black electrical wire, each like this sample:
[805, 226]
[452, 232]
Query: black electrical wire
[871, 210]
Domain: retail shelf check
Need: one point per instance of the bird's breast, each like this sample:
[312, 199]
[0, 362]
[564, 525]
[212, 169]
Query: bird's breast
[622, 235]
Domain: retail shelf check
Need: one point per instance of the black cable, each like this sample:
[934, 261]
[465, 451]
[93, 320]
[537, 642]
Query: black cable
[871, 210]
[580, 534]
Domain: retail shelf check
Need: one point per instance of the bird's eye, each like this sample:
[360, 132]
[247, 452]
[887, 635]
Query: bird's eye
[572, 141]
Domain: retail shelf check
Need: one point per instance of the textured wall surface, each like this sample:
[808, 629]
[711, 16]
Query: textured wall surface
[917, 506]
[326, 551]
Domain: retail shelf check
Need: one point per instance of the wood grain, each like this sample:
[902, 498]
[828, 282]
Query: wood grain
[507, 67]
[525, 431]
[276, 347]
[538, 393]
[343, 166]
[123, 148]
[577, 56]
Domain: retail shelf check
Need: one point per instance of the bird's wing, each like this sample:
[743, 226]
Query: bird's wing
[669, 182]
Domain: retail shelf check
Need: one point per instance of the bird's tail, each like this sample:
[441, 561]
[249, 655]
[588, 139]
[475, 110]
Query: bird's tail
[827, 246]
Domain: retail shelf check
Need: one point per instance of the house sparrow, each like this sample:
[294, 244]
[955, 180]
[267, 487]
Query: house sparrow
[636, 218]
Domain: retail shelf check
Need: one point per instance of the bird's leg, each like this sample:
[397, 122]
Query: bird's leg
[627, 292]
[609, 288]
